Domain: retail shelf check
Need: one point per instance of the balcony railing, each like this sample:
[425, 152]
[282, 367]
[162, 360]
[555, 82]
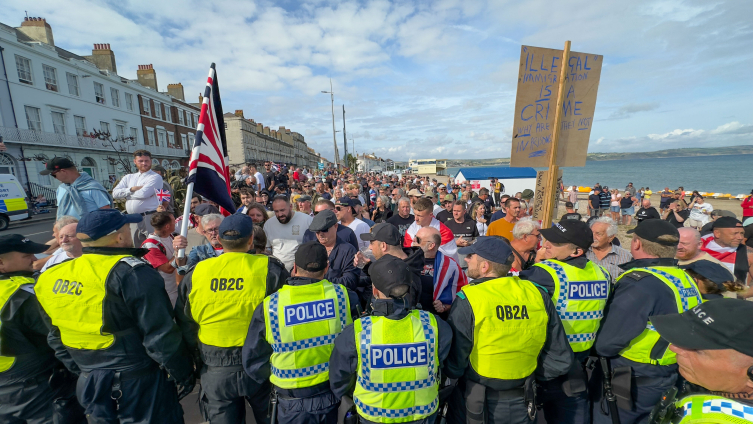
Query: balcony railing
[41, 138]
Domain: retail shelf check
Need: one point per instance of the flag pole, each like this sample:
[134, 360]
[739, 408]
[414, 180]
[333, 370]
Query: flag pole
[186, 217]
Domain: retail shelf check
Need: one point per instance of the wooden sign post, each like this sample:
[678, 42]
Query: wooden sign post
[553, 133]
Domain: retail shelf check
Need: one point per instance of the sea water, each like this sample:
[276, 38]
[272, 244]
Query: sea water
[731, 174]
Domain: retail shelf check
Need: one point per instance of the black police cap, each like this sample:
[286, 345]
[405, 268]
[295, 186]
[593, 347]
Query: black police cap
[311, 256]
[385, 232]
[390, 272]
[569, 231]
[653, 229]
[18, 243]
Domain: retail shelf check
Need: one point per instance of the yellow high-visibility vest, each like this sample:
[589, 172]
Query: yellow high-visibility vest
[9, 287]
[509, 330]
[73, 294]
[710, 409]
[301, 325]
[224, 293]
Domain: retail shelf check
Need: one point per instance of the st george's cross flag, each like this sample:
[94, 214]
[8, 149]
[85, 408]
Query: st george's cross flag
[208, 169]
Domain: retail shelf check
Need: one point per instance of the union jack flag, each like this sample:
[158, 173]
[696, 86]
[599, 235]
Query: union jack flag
[449, 278]
[162, 195]
[208, 168]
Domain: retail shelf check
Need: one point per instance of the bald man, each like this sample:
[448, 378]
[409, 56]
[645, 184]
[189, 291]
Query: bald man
[443, 270]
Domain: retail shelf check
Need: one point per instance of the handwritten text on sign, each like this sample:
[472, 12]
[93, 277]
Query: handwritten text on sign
[536, 103]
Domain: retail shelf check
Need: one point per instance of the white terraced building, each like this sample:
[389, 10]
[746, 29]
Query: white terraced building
[51, 100]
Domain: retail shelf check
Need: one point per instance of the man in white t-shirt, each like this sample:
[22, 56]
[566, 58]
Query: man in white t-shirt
[285, 230]
[260, 183]
[70, 246]
[161, 251]
[700, 213]
[346, 214]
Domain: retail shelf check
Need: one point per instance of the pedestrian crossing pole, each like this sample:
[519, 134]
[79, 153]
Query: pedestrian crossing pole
[550, 196]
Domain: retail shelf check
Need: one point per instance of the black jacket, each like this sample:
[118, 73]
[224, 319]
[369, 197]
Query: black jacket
[555, 359]
[257, 350]
[342, 269]
[23, 334]
[213, 355]
[422, 287]
[343, 364]
[138, 311]
[343, 233]
[637, 296]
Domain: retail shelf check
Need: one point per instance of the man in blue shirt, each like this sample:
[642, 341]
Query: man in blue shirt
[78, 193]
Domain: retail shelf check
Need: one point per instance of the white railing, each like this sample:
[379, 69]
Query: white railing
[42, 138]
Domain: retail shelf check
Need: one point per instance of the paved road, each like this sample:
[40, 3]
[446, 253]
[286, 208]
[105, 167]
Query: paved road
[40, 232]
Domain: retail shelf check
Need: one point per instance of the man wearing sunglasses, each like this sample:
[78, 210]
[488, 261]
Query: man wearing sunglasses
[78, 193]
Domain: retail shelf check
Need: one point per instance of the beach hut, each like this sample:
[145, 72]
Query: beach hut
[514, 179]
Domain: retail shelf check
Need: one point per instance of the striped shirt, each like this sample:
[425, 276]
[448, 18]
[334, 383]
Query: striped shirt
[612, 260]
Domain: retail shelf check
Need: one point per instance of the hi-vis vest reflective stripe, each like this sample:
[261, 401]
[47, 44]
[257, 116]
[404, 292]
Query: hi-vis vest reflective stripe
[301, 325]
[73, 294]
[580, 296]
[8, 288]
[510, 327]
[686, 296]
[398, 363]
[705, 409]
[224, 293]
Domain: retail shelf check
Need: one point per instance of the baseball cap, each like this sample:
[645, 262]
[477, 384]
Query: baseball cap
[304, 198]
[19, 243]
[323, 221]
[345, 201]
[415, 192]
[652, 229]
[570, 231]
[429, 193]
[238, 222]
[57, 164]
[441, 186]
[491, 248]
[449, 198]
[389, 272]
[716, 324]
[527, 194]
[385, 232]
[205, 209]
[712, 271]
[722, 212]
[727, 222]
[311, 256]
[101, 222]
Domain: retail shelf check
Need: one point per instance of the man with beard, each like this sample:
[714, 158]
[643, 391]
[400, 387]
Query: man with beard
[285, 230]
[140, 193]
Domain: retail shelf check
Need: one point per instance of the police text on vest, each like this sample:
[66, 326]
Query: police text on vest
[508, 312]
[399, 355]
[588, 290]
[223, 284]
[302, 313]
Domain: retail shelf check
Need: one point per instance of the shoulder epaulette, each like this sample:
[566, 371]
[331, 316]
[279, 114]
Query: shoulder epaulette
[134, 261]
[636, 275]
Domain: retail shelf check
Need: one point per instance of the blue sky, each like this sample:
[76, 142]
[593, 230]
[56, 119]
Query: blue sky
[434, 78]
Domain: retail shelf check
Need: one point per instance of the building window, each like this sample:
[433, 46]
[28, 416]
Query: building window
[33, 118]
[134, 135]
[50, 77]
[115, 94]
[58, 122]
[99, 92]
[180, 117]
[170, 140]
[183, 140]
[168, 117]
[147, 108]
[150, 137]
[104, 127]
[6, 165]
[157, 110]
[80, 122]
[160, 138]
[72, 84]
[23, 66]
[120, 131]
[190, 140]
[129, 101]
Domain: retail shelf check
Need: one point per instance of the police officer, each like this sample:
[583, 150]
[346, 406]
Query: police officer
[215, 303]
[643, 367]
[290, 338]
[714, 351]
[391, 359]
[110, 316]
[27, 363]
[579, 289]
[506, 334]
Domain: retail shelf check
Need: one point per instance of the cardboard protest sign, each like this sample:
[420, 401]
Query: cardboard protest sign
[536, 103]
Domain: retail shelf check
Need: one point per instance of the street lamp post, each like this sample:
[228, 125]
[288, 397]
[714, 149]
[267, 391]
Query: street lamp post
[334, 139]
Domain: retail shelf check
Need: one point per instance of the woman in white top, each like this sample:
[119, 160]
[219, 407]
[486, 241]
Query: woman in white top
[477, 214]
[614, 206]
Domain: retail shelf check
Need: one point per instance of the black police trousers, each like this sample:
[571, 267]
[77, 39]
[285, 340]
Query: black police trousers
[35, 402]
[141, 397]
[644, 398]
[560, 408]
[224, 391]
[498, 407]
[318, 409]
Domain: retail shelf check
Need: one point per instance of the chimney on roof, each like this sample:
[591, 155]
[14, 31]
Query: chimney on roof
[103, 57]
[239, 113]
[37, 29]
[176, 90]
[147, 76]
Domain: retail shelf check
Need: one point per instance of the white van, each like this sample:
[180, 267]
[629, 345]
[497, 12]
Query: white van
[13, 206]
